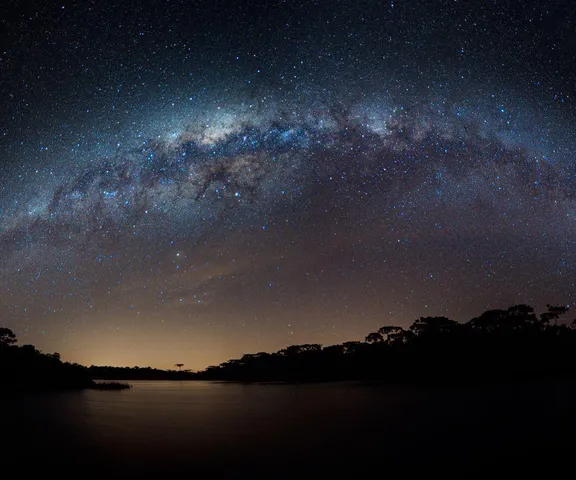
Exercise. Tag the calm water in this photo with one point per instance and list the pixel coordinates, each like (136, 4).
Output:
(234, 429)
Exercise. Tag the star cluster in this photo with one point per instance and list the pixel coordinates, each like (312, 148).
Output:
(189, 182)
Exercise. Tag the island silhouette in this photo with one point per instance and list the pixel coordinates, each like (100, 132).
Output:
(508, 344)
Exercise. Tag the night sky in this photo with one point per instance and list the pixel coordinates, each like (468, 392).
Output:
(188, 181)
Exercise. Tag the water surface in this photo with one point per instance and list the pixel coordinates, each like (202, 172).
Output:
(238, 429)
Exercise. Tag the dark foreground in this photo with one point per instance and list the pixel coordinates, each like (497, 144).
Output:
(279, 431)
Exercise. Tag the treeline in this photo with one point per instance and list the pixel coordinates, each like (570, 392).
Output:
(26, 368)
(136, 373)
(499, 344)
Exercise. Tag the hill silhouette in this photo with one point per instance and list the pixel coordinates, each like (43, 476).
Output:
(499, 344)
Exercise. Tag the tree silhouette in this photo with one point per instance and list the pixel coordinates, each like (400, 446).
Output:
(553, 313)
(351, 347)
(501, 343)
(392, 334)
(521, 316)
(54, 356)
(7, 337)
(433, 326)
(489, 322)
(374, 337)
(25, 368)
(298, 349)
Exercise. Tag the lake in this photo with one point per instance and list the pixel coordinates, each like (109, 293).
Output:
(237, 429)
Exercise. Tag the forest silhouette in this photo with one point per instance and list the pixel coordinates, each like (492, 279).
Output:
(510, 344)
(499, 344)
(26, 368)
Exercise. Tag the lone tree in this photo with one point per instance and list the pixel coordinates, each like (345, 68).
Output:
(179, 365)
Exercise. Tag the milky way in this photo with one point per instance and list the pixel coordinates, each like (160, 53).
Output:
(205, 193)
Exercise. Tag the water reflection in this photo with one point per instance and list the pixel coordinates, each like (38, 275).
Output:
(233, 428)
